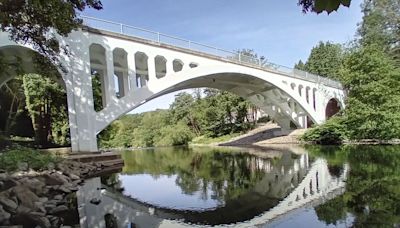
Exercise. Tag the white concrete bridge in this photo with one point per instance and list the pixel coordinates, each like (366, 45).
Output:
(136, 65)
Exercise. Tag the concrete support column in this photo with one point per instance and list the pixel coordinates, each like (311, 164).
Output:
(152, 69)
(132, 70)
(109, 76)
(120, 79)
(170, 67)
(125, 83)
(80, 106)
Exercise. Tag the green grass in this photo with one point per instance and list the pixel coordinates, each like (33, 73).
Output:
(208, 140)
(36, 160)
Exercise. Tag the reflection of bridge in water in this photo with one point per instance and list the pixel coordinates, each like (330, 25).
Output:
(280, 191)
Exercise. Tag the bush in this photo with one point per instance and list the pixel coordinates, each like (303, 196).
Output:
(36, 160)
(331, 132)
(264, 119)
(179, 134)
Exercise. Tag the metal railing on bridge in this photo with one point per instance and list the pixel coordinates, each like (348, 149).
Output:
(207, 49)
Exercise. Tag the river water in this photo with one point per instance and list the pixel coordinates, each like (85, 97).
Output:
(285, 186)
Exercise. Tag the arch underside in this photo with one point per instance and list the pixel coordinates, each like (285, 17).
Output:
(282, 108)
(18, 60)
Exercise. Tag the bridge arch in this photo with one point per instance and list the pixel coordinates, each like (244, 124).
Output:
(20, 60)
(266, 92)
(332, 108)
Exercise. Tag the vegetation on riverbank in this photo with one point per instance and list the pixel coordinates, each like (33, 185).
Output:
(370, 72)
(207, 116)
(22, 158)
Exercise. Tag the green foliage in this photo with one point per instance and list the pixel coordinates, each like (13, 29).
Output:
(373, 105)
(380, 26)
(36, 160)
(179, 134)
(264, 119)
(30, 21)
(215, 115)
(325, 60)
(370, 72)
(332, 132)
(97, 94)
(300, 66)
(46, 103)
(320, 6)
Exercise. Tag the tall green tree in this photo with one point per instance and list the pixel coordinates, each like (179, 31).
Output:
(324, 60)
(373, 83)
(380, 25)
(46, 103)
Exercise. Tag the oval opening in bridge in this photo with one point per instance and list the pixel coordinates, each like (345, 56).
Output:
(193, 65)
(177, 65)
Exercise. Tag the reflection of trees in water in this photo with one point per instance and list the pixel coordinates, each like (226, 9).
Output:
(227, 174)
(112, 180)
(373, 187)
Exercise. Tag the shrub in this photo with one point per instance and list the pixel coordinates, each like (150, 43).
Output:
(264, 119)
(331, 132)
(35, 159)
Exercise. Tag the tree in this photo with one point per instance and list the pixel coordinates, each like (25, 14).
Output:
(30, 21)
(300, 66)
(46, 104)
(250, 56)
(373, 84)
(325, 60)
(380, 25)
(320, 6)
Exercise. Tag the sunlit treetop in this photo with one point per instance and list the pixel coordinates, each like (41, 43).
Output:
(320, 6)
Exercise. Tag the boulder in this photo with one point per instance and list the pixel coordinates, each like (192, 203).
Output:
(4, 216)
(35, 185)
(3, 176)
(39, 219)
(59, 209)
(55, 179)
(23, 166)
(6, 203)
(25, 196)
(73, 176)
(58, 197)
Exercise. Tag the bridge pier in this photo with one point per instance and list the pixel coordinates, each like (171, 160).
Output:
(81, 113)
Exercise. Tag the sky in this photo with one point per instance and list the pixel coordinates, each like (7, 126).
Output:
(278, 30)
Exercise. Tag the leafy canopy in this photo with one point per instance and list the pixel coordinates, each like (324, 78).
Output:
(30, 21)
(320, 6)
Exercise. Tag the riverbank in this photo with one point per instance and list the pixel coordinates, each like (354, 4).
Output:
(34, 193)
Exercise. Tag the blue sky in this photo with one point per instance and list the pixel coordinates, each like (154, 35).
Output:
(276, 29)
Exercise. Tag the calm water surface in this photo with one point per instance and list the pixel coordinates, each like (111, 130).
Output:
(310, 186)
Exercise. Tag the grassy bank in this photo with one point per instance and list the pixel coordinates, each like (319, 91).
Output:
(22, 158)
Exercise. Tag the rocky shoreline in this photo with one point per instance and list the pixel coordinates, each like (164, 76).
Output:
(43, 199)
